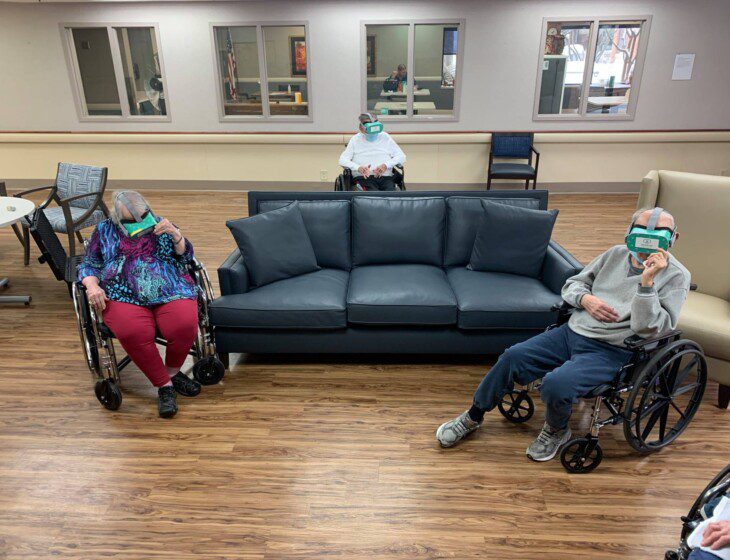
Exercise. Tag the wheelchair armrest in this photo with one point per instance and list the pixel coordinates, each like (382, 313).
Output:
(565, 310)
(692, 287)
(635, 342)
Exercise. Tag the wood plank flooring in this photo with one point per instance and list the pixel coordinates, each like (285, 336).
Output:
(311, 457)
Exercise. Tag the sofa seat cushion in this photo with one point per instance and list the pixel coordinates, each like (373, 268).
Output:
(400, 294)
(311, 301)
(495, 300)
(706, 320)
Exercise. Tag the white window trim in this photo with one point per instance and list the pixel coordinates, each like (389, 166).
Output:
(77, 84)
(409, 116)
(590, 56)
(263, 74)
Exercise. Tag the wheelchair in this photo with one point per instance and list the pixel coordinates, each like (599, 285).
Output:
(654, 397)
(346, 182)
(718, 486)
(97, 341)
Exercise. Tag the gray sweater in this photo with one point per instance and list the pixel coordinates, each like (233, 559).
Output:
(644, 311)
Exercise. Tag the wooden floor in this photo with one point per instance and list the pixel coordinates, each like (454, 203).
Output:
(310, 457)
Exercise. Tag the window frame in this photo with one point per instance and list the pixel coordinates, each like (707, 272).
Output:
(594, 22)
(265, 115)
(77, 85)
(460, 23)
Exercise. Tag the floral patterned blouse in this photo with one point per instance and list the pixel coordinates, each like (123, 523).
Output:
(145, 271)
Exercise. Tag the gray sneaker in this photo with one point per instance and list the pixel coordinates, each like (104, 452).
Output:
(455, 430)
(548, 443)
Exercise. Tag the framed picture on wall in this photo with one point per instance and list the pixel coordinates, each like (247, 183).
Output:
(370, 47)
(298, 54)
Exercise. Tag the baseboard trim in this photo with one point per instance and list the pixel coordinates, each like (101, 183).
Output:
(192, 185)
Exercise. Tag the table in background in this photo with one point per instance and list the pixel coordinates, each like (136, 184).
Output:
(401, 106)
(12, 209)
(417, 93)
(605, 103)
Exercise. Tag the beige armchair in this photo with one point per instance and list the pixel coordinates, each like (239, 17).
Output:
(701, 206)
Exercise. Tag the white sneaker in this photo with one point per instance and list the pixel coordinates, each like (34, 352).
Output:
(453, 431)
(548, 443)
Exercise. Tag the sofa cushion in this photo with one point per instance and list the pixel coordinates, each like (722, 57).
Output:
(402, 294)
(494, 300)
(398, 230)
(706, 320)
(328, 225)
(311, 301)
(464, 214)
(512, 240)
(274, 245)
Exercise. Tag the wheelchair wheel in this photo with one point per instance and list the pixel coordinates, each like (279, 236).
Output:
(581, 455)
(517, 406)
(86, 332)
(665, 396)
(108, 394)
(209, 370)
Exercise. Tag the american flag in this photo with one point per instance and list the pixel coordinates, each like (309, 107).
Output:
(232, 76)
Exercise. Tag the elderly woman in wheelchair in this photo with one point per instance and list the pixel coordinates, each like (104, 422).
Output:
(138, 274)
(619, 340)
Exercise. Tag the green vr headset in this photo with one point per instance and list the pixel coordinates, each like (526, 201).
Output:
(373, 127)
(650, 239)
(135, 229)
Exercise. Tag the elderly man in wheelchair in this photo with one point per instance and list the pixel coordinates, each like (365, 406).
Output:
(372, 160)
(619, 339)
(140, 275)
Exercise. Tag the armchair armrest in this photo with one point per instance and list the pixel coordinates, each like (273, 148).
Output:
(233, 275)
(558, 266)
(47, 201)
(635, 342)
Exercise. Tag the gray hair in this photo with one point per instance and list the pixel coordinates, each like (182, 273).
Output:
(114, 213)
(639, 212)
(367, 118)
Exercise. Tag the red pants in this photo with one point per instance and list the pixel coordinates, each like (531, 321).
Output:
(135, 328)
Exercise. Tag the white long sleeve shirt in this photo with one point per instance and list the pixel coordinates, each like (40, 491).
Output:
(383, 149)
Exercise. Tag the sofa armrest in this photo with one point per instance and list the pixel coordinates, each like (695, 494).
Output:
(233, 275)
(559, 265)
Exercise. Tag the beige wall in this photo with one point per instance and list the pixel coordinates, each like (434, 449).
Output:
(581, 159)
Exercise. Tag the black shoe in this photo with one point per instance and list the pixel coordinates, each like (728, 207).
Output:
(184, 385)
(166, 404)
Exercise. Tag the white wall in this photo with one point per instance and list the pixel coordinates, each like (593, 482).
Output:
(500, 62)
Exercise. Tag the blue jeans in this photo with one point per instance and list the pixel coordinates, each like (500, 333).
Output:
(699, 554)
(570, 365)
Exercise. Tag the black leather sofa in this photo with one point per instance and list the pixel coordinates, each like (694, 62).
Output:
(391, 281)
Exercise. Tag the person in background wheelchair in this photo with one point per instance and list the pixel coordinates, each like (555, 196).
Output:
(631, 289)
(134, 272)
(371, 155)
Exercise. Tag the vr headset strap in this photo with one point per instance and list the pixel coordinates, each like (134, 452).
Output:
(136, 215)
(654, 218)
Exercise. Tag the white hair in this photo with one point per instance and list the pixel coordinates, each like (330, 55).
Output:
(642, 210)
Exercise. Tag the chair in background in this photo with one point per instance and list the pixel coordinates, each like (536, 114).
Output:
(79, 196)
(701, 206)
(512, 145)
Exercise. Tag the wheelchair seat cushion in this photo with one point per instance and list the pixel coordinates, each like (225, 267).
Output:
(512, 240)
(401, 294)
(275, 245)
(511, 170)
(310, 301)
(55, 216)
(494, 300)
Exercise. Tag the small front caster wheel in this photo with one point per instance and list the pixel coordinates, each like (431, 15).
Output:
(581, 455)
(108, 394)
(517, 406)
(209, 371)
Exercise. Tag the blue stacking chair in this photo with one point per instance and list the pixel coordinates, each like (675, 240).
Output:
(513, 145)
